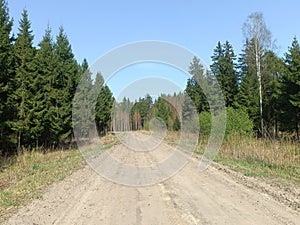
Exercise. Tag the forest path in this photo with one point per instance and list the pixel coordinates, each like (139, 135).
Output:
(189, 197)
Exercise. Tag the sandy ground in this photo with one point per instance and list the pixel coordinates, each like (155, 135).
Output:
(216, 196)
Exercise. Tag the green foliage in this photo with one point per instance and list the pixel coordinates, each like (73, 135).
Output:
(193, 88)
(38, 86)
(103, 109)
(24, 74)
(83, 104)
(6, 77)
(291, 88)
(162, 110)
(205, 123)
(248, 96)
(238, 121)
(63, 85)
(223, 68)
(176, 124)
(273, 71)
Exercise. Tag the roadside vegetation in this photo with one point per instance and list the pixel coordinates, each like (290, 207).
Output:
(25, 177)
(278, 160)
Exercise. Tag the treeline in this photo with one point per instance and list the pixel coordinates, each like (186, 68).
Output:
(128, 115)
(256, 81)
(257, 84)
(37, 87)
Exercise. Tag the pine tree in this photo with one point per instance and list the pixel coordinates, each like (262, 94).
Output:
(23, 95)
(6, 76)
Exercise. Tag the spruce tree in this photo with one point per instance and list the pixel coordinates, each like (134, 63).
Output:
(42, 86)
(223, 68)
(248, 96)
(193, 88)
(273, 70)
(23, 95)
(83, 105)
(64, 84)
(104, 104)
(6, 76)
(291, 88)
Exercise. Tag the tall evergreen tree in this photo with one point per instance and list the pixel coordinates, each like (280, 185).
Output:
(104, 104)
(6, 75)
(193, 88)
(163, 111)
(223, 68)
(291, 87)
(248, 97)
(22, 96)
(42, 87)
(83, 106)
(273, 70)
(64, 84)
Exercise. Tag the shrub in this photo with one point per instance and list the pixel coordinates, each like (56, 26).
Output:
(237, 121)
(205, 123)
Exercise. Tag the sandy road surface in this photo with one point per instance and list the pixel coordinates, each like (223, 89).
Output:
(190, 197)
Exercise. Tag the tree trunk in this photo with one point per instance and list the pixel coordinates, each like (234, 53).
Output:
(19, 143)
(258, 73)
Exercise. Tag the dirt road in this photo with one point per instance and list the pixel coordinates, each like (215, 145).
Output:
(189, 197)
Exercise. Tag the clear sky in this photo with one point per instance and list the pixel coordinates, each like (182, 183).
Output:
(95, 27)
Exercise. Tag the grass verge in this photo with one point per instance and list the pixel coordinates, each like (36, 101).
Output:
(25, 177)
(278, 161)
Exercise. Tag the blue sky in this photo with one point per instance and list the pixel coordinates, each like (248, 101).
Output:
(95, 27)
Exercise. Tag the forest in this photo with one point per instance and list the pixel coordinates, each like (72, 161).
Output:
(38, 84)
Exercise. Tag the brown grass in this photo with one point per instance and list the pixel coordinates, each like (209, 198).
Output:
(25, 177)
(262, 157)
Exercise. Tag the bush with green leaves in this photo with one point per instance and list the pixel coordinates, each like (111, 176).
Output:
(205, 123)
(238, 121)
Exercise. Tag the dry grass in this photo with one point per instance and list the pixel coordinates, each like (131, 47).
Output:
(278, 160)
(262, 157)
(25, 177)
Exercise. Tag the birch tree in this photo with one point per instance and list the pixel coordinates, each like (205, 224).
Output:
(256, 31)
